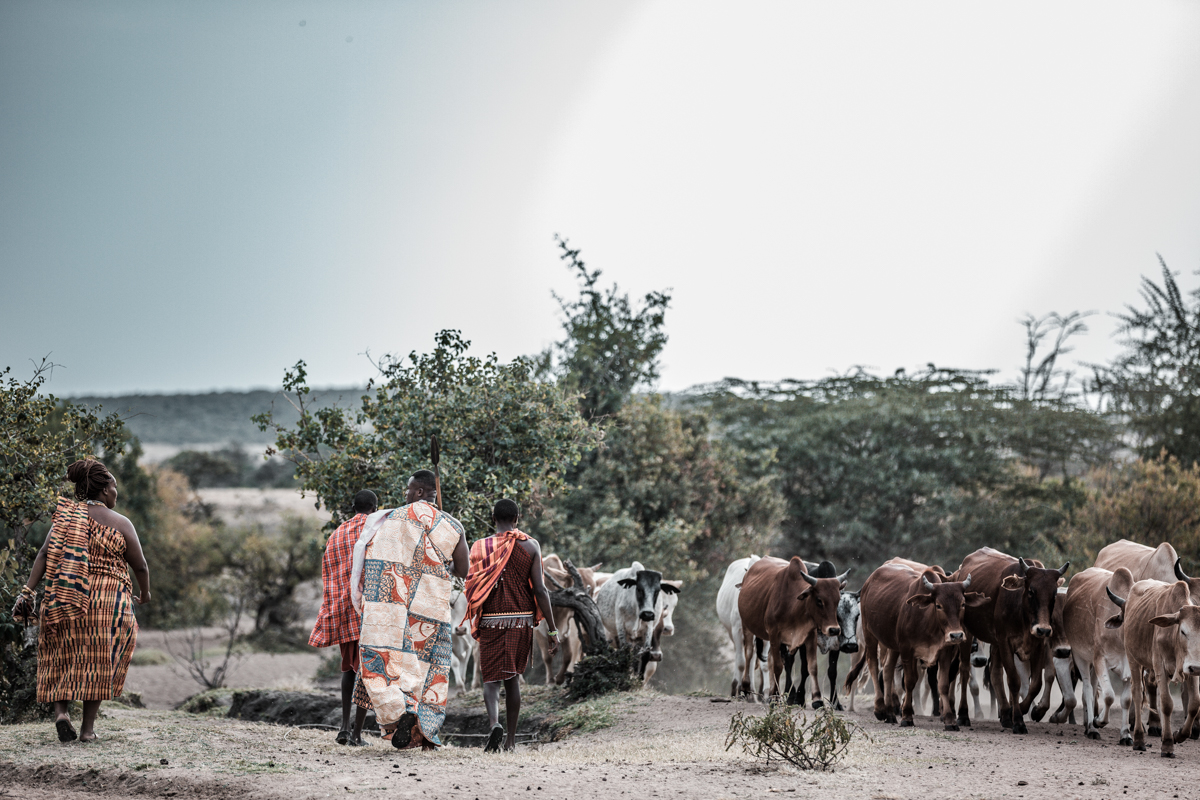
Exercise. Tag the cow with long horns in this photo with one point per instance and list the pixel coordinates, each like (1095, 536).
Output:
(1016, 622)
(912, 615)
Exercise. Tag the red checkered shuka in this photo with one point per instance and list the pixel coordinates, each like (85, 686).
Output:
(337, 621)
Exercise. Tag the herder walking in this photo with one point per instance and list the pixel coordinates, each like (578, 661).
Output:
(504, 583)
(338, 623)
(401, 583)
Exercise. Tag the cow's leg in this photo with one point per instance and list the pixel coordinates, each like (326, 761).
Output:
(996, 674)
(945, 658)
(930, 676)
(739, 657)
(1088, 681)
(1150, 681)
(1186, 699)
(1046, 676)
(1191, 700)
(789, 663)
(1034, 670)
(1066, 685)
(1008, 663)
(967, 681)
(619, 619)
(1167, 748)
(831, 672)
(891, 666)
(810, 651)
(912, 675)
(775, 664)
(1135, 707)
(871, 653)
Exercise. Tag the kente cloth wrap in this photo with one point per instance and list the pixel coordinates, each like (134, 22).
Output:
(338, 621)
(68, 577)
(506, 625)
(489, 557)
(86, 657)
(404, 646)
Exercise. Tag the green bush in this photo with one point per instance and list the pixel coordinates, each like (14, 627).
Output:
(610, 671)
(786, 733)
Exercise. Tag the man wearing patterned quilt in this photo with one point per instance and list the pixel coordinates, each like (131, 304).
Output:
(400, 583)
(337, 622)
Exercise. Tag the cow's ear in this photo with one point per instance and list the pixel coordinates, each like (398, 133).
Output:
(737, 586)
(975, 599)
(919, 600)
(1114, 622)
(1061, 581)
(671, 587)
(1013, 583)
(628, 583)
(856, 595)
(1166, 620)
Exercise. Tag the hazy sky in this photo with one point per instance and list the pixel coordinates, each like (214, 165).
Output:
(196, 195)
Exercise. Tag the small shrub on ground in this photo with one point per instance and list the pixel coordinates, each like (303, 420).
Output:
(149, 657)
(788, 734)
(611, 671)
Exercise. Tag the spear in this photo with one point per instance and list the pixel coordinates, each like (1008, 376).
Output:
(435, 455)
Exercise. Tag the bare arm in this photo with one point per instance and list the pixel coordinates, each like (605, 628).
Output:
(539, 590)
(137, 562)
(39, 564)
(462, 557)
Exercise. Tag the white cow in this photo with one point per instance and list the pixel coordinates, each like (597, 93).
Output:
(462, 644)
(632, 604)
(746, 678)
(665, 627)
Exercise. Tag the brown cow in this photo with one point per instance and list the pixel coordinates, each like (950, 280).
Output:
(917, 619)
(1161, 629)
(783, 605)
(1016, 622)
(1147, 563)
(1095, 648)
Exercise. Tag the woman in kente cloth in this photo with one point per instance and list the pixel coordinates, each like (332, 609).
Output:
(87, 628)
(506, 598)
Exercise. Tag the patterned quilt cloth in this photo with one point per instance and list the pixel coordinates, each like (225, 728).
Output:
(405, 597)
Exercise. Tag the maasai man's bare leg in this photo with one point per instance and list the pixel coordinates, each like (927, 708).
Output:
(512, 709)
(347, 696)
(360, 716)
(491, 701)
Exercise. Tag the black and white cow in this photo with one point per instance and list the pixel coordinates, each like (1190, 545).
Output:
(631, 605)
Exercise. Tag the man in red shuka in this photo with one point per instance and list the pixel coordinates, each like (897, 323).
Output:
(504, 582)
(337, 622)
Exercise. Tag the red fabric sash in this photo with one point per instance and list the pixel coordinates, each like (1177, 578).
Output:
(489, 557)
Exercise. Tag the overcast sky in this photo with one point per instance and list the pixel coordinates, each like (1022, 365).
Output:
(195, 195)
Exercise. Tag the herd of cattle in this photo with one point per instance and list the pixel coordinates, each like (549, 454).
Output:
(1131, 614)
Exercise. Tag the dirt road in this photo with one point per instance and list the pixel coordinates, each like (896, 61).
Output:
(657, 747)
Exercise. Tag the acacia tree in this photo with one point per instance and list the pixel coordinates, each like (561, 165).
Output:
(1155, 383)
(503, 433)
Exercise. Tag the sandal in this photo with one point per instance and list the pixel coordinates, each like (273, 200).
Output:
(403, 734)
(66, 731)
(494, 739)
(343, 737)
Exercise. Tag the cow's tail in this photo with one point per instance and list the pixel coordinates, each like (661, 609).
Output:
(758, 649)
(855, 671)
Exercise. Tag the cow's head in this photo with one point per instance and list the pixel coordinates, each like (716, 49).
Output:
(1193, 583)
(1039, 589)
(1118, 591)
(670, 599)
(819, 601)
(1186, 622)
(1060, 645)
(847, 615)
(978, 659)
(948, 601)
(646, 585)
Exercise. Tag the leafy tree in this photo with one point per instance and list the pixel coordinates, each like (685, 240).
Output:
(925, 465)
(503, 433)
(269, 568)
(1148, 501)
(39, 437)
(661, 490)
(611, 345)
(1155, 383)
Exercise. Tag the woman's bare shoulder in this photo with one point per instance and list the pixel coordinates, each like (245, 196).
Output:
(106, 516)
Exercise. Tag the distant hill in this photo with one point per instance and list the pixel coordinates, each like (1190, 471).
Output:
(194, 419)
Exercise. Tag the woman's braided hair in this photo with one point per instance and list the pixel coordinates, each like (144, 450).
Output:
(90, 477)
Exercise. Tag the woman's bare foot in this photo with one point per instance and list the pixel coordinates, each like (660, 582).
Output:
(84, 738)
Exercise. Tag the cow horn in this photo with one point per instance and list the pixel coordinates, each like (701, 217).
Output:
(811, 580)
(1063, 569)
(1023, 567)
(967, 582)
(925, 582)
(1179, 573)
(842, 577)
(1120, 602)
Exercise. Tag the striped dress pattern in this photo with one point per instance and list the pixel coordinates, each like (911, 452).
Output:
(85, 655)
